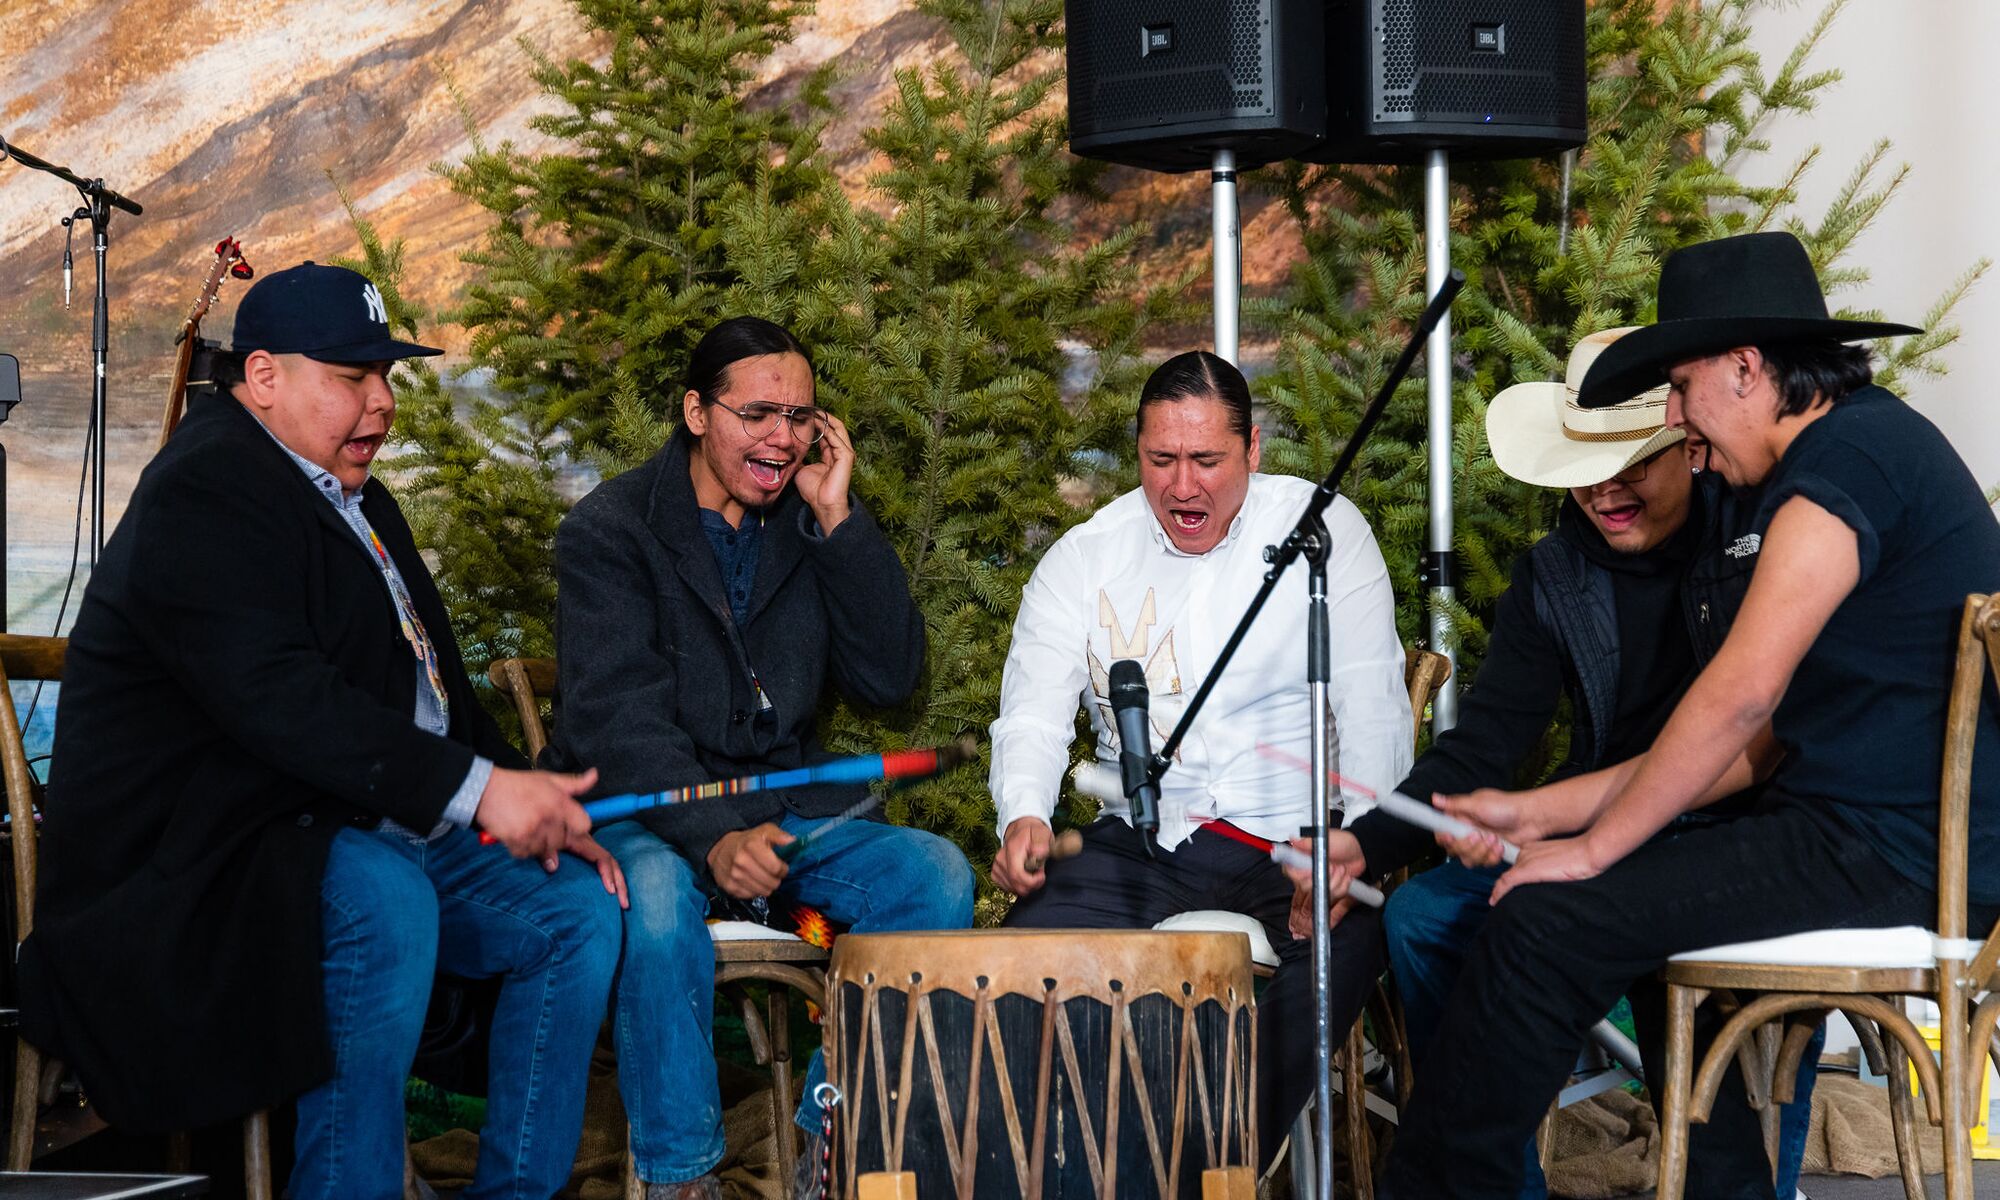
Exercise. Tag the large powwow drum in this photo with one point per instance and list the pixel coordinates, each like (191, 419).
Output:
(1042, 1064)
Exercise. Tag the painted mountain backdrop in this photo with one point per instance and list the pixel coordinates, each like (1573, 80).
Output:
(238, 117)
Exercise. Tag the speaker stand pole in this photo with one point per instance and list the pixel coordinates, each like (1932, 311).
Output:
(1228, 252)
(1440, 564)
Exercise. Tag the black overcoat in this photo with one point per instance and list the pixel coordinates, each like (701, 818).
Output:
(237, 690)
(655, 678)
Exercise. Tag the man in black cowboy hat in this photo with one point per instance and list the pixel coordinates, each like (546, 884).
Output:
(1832, 685)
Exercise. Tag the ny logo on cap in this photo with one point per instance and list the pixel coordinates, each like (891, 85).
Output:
(377, 311)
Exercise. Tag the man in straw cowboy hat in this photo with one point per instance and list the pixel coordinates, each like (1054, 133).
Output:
(1831, 686)
(1615, 610)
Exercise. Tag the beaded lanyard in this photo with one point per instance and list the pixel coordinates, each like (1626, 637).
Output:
(413, 626)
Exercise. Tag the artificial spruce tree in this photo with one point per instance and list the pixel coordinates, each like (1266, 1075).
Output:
(603, 265)
(1677, 97)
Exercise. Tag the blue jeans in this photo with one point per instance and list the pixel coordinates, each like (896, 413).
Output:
(877, 878)
(1430, 923)
(393, 911)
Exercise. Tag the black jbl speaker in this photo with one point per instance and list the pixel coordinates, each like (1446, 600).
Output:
(1481, 78)
(1163, 84)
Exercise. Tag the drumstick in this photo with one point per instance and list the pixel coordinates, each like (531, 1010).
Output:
(1068, 844)
(861, 768)
(797, 846)
(1396, 804)
(1291, 856)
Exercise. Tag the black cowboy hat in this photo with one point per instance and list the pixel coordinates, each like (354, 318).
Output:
(1734, 291)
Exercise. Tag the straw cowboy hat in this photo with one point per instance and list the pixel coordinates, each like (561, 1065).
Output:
(1733, 291)
(1540, 435)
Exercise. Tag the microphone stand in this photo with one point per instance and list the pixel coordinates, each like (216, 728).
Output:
(98, 201)
(1309, 538)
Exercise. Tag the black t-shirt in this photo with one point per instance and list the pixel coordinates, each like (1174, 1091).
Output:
(1862, 722)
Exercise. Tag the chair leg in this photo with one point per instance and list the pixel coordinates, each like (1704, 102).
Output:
(1767, 1063)
(27, 1105)
(1354, 1094)
(257, 1155)
(782, 1125)
(1680, 1082)
(1903, 1117)
(1953, 1076)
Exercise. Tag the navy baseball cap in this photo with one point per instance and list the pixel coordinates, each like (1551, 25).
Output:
(329, 313)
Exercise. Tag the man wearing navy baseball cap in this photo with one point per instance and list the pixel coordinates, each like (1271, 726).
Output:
(1832, 685)
(268, 760)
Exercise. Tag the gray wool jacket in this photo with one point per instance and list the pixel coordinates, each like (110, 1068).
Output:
(657, 687)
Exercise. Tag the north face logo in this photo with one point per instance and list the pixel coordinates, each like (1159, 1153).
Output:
(377, 311)
(1744, 546)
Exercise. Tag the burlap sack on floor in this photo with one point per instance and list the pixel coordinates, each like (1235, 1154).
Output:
(1609, 1145)
(1851, 1134)
(749, 1168)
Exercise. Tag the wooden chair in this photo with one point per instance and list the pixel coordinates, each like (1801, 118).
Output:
(1864, 973)
(41, 658)
(783, 963)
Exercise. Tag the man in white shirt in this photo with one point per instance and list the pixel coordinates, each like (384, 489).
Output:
(1161, 575)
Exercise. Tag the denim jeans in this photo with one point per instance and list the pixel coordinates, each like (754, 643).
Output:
(393, 911)
(1430, 923)
(876, 878)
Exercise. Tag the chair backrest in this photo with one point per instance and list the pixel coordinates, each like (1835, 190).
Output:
(1424, 673)
(1978, 649)
(23, 659)
(527, 682)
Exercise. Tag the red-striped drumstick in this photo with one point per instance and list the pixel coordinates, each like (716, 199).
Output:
(861, 768)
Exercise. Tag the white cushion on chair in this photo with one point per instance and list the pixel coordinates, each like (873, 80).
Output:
(1901, 947)
(1216, 920)
(748, 931)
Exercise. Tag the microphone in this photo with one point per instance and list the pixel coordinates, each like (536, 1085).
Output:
(1129, 700)
(68, 265)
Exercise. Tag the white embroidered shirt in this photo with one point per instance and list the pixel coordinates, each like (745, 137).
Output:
(1117, 587)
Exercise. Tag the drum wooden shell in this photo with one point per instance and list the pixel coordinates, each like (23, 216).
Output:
(1052, 1064)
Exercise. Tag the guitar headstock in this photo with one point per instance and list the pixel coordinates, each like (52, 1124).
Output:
(228, 261)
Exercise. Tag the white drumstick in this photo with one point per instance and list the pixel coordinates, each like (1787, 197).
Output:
(1424, 816)
(1396, 804)
(1286, 855)
(1099, 781)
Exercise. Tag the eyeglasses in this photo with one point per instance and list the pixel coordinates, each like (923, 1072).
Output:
(760, 419)
(1637, 471)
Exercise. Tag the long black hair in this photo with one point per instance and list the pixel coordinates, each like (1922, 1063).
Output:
(731, 342)
(1199, 375)
(1809, 367)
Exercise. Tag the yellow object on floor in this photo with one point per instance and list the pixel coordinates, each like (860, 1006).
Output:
(1980, 1146)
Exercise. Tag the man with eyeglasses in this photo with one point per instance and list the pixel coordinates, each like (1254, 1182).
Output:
(707, 600)
(1615, 610)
